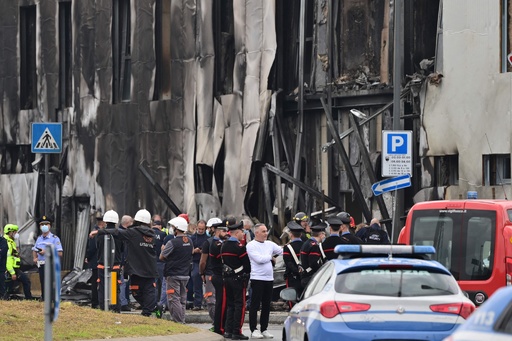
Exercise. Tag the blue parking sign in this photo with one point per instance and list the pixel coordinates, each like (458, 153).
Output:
(397, 143)
(46, 138)
(396, 153)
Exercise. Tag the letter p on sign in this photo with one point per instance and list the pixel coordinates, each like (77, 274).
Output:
(397, 143)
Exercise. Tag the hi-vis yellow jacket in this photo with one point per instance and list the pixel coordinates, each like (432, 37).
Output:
(13, 257)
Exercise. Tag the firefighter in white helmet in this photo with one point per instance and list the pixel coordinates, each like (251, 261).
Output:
(140, 261)
(177, 254)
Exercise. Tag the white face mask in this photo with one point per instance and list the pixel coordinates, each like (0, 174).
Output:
(17, 235)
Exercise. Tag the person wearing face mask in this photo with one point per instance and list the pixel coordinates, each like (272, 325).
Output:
(46, 238)
(13, 263)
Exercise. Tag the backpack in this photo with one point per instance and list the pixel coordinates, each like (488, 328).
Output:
(373, 236)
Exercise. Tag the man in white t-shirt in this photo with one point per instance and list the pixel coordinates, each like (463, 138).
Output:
(261, 253)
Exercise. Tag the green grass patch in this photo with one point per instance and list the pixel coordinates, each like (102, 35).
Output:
(24, 320)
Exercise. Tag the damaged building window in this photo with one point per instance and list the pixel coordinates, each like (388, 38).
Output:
(28, 77)
(65, 49)
(121, 51)
(506, 35)
(162, 50)
(446, 170)
(496, 169)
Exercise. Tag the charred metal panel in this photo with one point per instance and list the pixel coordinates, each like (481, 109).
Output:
(360, 34)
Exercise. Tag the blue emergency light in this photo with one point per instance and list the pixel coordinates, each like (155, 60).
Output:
(386, 249)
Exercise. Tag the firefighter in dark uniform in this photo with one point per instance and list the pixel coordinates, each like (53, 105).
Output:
(291, 258)
(317, 235)
(236, 271)
(140, 260)
(111, 218)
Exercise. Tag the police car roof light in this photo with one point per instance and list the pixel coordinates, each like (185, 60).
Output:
(386, 249)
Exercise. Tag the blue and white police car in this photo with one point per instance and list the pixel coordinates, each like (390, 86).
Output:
(492, 321)
(378, 292)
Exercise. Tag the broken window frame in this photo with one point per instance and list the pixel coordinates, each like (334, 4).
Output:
(65, 50)
(506, 35)
(121, 51)
(28, 75)
(446, 170)
(496, 169)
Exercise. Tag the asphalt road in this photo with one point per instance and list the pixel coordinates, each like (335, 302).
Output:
(274, 329)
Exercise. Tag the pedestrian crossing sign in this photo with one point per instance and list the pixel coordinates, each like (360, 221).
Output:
(47, 138)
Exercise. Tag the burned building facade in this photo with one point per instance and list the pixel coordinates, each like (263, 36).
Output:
(205, 107)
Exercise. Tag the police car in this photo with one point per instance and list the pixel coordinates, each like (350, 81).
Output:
(378, 292)
(491, 321)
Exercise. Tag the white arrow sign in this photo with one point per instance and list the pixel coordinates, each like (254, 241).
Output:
(392, 184)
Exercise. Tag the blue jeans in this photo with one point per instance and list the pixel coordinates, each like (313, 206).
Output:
(195, 286)
(122, 290)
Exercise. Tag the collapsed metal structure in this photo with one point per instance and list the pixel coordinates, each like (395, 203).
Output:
(225, 107)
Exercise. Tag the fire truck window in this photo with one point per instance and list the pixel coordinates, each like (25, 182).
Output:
(478, 248)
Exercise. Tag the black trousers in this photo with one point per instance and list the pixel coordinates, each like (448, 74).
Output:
(261, 295)
(41, 279)
(234, 303)
(219, 319)
(144, 291)
(294, 282)
(24, 280)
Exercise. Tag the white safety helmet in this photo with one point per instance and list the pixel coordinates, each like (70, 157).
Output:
(213, 221)
(143, 216)
(179, 223)
(111, 216)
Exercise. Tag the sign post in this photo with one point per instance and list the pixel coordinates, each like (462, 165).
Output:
(388, 185)
(51, 289)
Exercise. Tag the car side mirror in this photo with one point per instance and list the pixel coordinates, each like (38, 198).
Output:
(288, 294)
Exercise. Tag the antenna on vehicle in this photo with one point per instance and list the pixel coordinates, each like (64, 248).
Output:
(497, 170)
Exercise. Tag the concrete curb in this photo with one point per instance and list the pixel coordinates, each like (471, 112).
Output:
(276, 317)
(199, 336)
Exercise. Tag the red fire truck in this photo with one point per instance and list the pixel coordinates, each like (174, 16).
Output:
(472, 238)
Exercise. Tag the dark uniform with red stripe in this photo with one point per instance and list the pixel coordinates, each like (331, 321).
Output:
(310, 256)
(293, 270)
(234, 255)
(214, 264)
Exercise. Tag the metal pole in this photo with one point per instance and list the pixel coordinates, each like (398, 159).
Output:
(48, 328)
(397, 89)
(106, 275)
(300, 122)
(46, 186)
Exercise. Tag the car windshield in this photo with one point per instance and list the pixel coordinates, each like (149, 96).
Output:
(395, 282)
